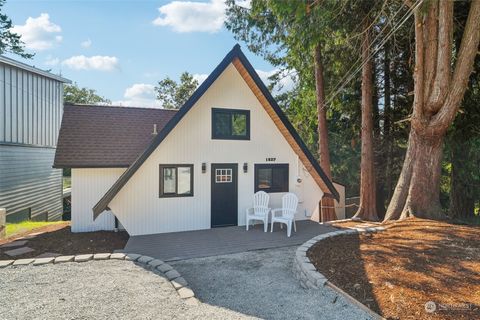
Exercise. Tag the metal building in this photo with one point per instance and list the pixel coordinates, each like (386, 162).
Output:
(31, 107)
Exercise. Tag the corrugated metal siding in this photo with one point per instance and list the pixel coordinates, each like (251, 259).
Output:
(88, 186)
(30, 107)
(138, 206)
(27, 180)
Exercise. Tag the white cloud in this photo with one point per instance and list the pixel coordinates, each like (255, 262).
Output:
(100, 63)
(39, 33)
(140, 90)
(51, 61)
(189, 16)
(200, 77)
(286, 82)
(86, 44)
(139, 95)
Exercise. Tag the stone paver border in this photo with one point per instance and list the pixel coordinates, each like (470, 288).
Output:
(308, 276)
(156, 266)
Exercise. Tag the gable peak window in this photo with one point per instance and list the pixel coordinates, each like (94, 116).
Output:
(230, 124)
(176, 180)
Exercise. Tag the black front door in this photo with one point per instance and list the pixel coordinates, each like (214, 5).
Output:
(224, 195)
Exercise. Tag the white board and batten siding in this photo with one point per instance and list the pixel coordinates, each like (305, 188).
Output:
(88, 186)
(340, 206)
(31, 107)
(138, 206)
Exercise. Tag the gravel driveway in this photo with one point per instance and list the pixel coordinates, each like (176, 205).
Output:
(95, 290)
(261, 283)
(256, 284)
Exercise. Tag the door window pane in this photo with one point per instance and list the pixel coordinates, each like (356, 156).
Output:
(223, 175)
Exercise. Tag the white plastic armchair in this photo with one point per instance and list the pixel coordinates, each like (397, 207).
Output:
(260, 209)
(286, 214)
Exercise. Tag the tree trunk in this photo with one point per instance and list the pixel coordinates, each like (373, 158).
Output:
(378, 152)
(368, 206)
(387, 121)
(418, 188)
(328, 213)
(438, 93)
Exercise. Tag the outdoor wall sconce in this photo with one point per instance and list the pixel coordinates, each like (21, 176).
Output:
(245, 167)
(204, 167)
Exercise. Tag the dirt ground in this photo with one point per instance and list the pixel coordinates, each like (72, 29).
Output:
(414, 262)
(351, 224)
(59, 239)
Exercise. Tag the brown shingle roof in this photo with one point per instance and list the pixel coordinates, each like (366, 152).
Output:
(105, 136)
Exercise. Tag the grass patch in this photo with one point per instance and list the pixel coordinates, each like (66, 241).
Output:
(67, 182)
(25, 226)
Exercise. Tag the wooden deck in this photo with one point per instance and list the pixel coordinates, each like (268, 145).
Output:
(218, 241)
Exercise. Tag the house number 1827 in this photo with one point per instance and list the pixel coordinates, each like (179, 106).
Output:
(270, 159)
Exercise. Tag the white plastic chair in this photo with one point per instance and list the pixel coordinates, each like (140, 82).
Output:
(286, 214)
(260, 209)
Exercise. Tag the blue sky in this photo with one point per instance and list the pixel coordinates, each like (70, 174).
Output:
(122, 48)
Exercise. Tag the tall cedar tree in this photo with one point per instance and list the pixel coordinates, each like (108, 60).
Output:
(438, 93)
(368, 205)
(328, 211)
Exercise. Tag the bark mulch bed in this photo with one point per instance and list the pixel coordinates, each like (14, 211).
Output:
(59, 239)
(396, 272)
(352, 224)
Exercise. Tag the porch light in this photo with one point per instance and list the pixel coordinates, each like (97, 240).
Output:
(245, 167)
(204, 167)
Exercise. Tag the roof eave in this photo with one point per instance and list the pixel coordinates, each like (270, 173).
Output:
(88, 166)
(32, 69)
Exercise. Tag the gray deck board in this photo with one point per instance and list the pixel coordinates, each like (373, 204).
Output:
(218, 241)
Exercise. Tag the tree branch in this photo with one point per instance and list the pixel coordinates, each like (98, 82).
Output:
(463, 68)
(417, 115)
(443, 69)
(431, 48)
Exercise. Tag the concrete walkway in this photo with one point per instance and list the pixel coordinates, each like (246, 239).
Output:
(218, 241)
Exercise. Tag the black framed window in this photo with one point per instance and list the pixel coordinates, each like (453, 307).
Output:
(176, 180)
(230, 124)
(271, 177)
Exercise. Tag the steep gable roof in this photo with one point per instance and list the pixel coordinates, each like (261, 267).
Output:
(239, 60)
(93, 136)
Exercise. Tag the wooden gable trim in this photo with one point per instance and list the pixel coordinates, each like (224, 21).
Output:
(279, 124)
